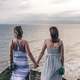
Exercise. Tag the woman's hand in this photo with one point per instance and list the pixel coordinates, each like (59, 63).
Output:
(36, 65)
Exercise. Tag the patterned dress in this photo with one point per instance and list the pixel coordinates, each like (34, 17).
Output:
(51, 65)
(21, 61)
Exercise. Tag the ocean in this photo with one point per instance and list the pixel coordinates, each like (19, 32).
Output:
(35, 34)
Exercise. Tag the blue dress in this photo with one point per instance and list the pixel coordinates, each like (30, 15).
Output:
(21, 61)
(51, 65)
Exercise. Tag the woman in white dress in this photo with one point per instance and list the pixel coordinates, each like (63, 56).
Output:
(55, 56)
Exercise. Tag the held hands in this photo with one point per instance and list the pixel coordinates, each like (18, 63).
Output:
(36, 65)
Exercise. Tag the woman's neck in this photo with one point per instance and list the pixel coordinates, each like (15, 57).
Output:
(18, 39)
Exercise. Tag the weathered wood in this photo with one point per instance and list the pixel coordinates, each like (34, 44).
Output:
(5, 75)
(33, 75)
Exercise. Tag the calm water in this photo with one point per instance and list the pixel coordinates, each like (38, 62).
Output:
(36, 34)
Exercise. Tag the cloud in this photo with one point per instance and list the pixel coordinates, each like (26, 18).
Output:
(59, 1)
(21, 10)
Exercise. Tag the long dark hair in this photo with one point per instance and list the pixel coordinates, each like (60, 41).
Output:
(19, 32)
(54, 34)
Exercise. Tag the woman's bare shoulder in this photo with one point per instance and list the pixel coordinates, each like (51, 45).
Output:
(13, 41)
(25, 41)
(47, 41)
(61, 42)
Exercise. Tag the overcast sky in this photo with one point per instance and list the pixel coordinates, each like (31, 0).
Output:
(17, 10)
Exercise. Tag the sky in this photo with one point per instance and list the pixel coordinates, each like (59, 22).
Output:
(15, 11)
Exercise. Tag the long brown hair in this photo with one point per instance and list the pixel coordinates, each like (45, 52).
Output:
(54, 34)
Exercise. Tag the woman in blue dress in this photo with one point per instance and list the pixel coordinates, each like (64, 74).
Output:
(19, 49)
(54, 61)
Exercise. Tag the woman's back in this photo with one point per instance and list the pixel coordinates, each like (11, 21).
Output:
(52, 47)
(51, 44)
(18, 45)
(19, 52)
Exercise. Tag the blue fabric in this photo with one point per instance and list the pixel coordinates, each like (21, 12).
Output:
(21, 61)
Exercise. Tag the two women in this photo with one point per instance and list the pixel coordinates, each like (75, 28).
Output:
(54, 60)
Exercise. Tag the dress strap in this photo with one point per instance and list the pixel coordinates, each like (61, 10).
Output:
(18, 46)
(12, 44)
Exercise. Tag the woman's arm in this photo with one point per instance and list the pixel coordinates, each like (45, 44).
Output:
(42, 52)
(29, 53)
(62, 53)
(11, 54)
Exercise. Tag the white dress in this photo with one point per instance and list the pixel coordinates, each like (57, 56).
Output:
(51, 65)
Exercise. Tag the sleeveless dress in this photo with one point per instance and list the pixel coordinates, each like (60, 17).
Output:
(51, 65)
(21, 62)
